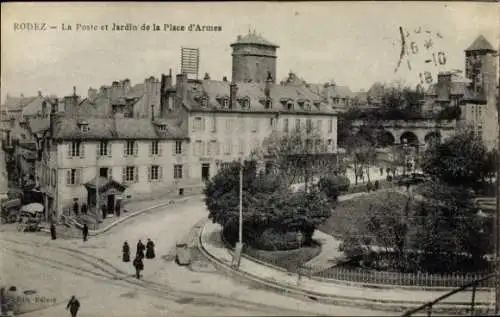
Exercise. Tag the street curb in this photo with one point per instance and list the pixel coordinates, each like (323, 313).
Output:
(134, 214)
(376, 304)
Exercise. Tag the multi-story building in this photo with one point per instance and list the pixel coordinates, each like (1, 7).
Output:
(121, 156)
(475, 93)
(228, 120)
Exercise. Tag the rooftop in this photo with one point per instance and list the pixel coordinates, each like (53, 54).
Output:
(253, 39)
(480, 44)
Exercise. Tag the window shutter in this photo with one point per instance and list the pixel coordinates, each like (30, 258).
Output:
(149, 173)
(136, 149)
(160, 148)
(136, 174)
(160, 172)
(109, 149)
(124, 174)
(183, 148)
(70, 145)
(78, 177)
(125, 148)
(68, 177)
(82, 149)
(150, 148)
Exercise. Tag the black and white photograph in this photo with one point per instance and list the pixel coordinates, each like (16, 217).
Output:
(267, 158)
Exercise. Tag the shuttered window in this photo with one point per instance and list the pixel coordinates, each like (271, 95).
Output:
(155, 173)
(130, 174)
(73, 177)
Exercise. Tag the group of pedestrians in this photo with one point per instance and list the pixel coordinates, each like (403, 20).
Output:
(138, 261)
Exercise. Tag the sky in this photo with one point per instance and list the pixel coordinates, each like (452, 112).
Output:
(353, 44)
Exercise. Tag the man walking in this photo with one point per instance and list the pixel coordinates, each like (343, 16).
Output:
(85, 231)
(53, 231)
(73, 306)
(139, 266)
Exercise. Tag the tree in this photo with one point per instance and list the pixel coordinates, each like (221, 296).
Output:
(362, 153)
(333, 186)
(291, 154)
(447, 229)
(461, 159)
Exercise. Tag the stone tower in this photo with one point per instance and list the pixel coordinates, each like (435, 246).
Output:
(481, 67)
(253, 59)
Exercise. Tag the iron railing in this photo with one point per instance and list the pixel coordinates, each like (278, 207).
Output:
(429, 306)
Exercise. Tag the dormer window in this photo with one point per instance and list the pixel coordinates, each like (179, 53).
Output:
(268, 103)
(204, 101)
(317, 104)
(225, 103)
(307, 107)
(245, 103)
(84, 127)
(289, 105)
(163, 127)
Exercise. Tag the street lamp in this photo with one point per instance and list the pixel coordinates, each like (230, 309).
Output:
(300, 239)
(239, 244)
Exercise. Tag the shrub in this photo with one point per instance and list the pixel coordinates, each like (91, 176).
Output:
(334, 186)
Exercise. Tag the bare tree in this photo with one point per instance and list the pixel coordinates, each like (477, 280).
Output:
(296, 156)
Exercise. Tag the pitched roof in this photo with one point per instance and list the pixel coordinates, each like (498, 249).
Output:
(113, 129)
(253, 39)
(17, 103)
(35, 106)
(37, 125)
(255, 92)
(480, 44)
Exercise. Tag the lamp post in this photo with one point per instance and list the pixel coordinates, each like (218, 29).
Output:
(497, 212)
(239, 244)
(300, 239)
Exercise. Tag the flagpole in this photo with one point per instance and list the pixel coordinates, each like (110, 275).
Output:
(240, 231)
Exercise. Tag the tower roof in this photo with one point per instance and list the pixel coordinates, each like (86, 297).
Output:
(253, 38)
(480, 44)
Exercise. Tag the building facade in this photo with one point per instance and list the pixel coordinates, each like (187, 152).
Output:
(123, 157)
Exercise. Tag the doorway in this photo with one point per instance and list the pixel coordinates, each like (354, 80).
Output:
(205, 171)
(111, 204)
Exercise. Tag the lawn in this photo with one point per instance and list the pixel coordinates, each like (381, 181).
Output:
(348, 213)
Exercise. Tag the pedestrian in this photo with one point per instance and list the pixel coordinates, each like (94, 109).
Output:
(140, 249)
(138, 265)
(381, 171)
(73, 306)
(126, 252)
(75, 208)
(84, 209)
(85, 231)
(150, 249)
(117, 208)
(53, 231)
(103, 209)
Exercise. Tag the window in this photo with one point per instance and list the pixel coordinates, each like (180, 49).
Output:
(297, 125)
(285, 125)
(245, 103)
(330, 143)
(76, 149)
(213, 125)
(177, 171)
(130, 174)
(73, 177)
(198, 124)
(271, 122)
(330, 126)
(308, 106)
(227, 147)
(212, 148)
(317, 145)
(155, 148)
(319, 125)
(104, 172)
(241, 146)
(269, 103)
(204, 102)
(228, 125)
(225, 103)
(309, 125)
(104, 148)
(178, 147)
(155, 173)
(256, 124)
(84, 128)
(309, 145)
(131, 148)
(289, 106)
(53, 178)
(163, 127)
(197, 148)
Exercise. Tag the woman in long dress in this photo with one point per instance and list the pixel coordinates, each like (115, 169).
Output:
(126, 252)
(150, 250)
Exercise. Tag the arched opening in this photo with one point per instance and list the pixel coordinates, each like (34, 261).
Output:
(409, 138)
(386, 139)
(432, 138)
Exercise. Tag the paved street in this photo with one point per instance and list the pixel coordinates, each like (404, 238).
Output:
(93, 271)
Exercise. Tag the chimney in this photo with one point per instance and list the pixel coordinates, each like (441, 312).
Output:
(233, 92)
(181, 87)
(92, 93)
(52, 117)
(207, 77)
(224, 78)
(269, 81)
(443, 86)
(74, 91)
(114, 90)
(152, 113)
(8, 137)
